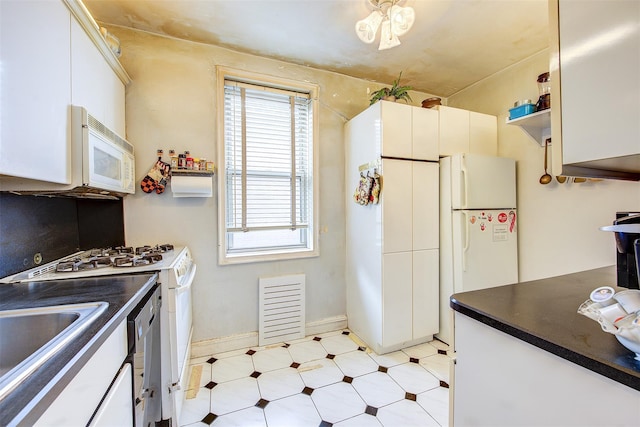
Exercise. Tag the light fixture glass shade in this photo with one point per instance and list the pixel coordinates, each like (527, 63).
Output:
(388, 38)
(402, 19)
(366, 28)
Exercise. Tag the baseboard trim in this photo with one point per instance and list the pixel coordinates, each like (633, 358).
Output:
(329, 324)
(250, 339)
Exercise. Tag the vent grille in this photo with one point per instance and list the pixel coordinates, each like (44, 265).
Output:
(282, 309)
(42, 271)
(97, 127)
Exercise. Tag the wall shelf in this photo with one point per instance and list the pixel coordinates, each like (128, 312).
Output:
(191, 183)
(536, 125)
(190, 172)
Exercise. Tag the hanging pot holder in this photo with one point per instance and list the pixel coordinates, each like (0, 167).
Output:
(150, 182)
(376, 188)
(356, 193)
(362, 192)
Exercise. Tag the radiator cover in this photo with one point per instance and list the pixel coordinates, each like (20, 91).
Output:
(281, 309)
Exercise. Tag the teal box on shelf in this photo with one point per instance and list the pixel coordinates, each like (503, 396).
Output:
(521, 110)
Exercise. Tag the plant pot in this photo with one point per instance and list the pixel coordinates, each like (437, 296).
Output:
(389, 98)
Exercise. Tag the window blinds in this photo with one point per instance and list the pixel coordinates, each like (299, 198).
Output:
(267, 136)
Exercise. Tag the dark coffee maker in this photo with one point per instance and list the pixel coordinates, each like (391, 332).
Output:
(627, 232)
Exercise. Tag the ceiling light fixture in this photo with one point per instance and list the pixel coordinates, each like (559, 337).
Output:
(395, 21)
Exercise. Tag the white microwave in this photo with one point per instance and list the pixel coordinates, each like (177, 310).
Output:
(108, 163)
(101, 164)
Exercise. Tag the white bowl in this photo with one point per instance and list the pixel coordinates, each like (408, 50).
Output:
(629, 300)
(631, 345)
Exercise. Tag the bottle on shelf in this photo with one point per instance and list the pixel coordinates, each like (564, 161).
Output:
(174, 159)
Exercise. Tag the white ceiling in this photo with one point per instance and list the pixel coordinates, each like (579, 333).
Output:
(453, 43)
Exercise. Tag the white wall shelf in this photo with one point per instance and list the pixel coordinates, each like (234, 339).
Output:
(536, 125)
(191, 183)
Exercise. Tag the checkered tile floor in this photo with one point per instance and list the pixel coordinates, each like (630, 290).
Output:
(327, 380)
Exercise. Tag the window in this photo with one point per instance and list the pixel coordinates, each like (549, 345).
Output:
(267, 168)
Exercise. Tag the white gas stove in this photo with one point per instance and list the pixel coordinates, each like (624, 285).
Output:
(102, 262)
(176, 271)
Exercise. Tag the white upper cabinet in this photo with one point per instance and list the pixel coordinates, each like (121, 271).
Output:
(463, 131)
(595, 77)
(53, 56)
(404, 131)
(425, 133)
(36, 90)
(483, 134)
(454, 131)
(94, 85)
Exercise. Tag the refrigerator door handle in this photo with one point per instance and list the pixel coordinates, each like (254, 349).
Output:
(465, 186)
(465, 227)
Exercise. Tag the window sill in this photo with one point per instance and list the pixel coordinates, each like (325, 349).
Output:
(282, 256)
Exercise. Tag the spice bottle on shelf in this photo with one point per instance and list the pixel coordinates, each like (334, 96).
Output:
(174, 159)
(189, 160)
(182, 161)
(196, 163)
(203, 164)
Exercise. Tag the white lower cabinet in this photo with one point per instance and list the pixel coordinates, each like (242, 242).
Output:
(425, 293)
(393, 259)
(117, 407)
(78, 401)
(396, 298)
(409, 296)
(501, 380)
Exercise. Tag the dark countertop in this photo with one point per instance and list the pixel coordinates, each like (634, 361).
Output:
(544, 313)
(26, 403)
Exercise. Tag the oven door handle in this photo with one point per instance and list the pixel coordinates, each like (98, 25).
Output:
(188, 281)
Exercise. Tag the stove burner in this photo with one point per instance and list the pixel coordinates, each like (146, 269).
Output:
(107, 252)
(121, 261)
(143, 250)
(135, 261)
(157, 249)
(78, 264)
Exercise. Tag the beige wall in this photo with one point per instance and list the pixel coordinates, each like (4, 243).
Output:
(171, 104)
(558, 227)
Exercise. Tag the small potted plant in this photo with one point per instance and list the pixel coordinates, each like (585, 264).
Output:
(394, 93)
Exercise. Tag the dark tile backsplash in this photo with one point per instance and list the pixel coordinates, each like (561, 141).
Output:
(54, 227)
(100, 223)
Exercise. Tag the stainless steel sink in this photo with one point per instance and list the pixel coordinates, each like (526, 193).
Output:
(28, 337)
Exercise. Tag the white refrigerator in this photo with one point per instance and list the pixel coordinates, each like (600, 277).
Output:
(478, 228)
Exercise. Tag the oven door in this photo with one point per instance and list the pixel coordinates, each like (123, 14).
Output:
(180, 326)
